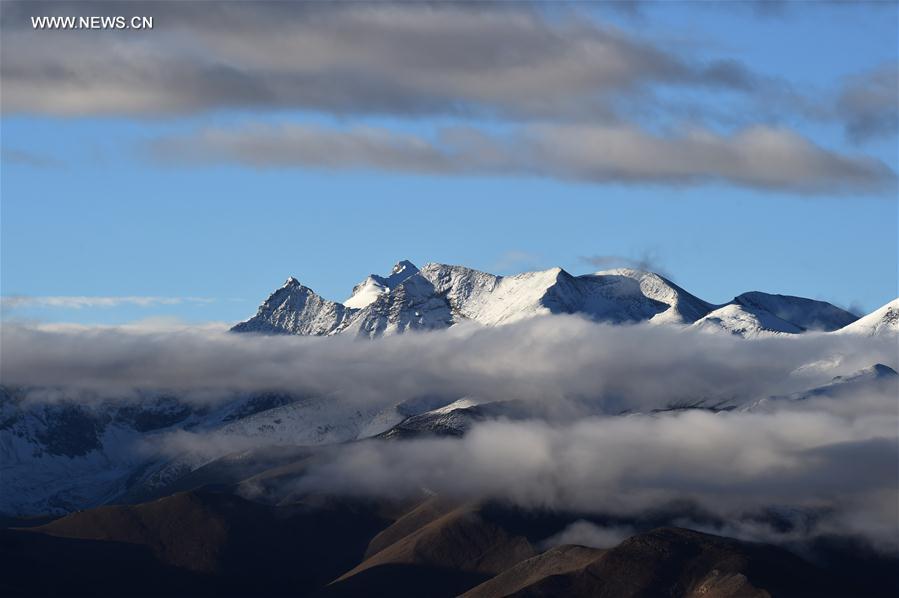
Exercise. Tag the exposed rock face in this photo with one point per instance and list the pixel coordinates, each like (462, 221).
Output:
(296, 309)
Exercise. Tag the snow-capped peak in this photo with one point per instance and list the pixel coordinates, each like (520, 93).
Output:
(403, 268)
(877, 371)
(650, 294)
(296, 309)
(884, 320)
(441, 295)
(372, 287)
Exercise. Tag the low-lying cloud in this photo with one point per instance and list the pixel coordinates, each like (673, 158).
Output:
(844, 468)
(757, 157)
(585, 533)
(553, 359)
(591, 439)
(84, 301)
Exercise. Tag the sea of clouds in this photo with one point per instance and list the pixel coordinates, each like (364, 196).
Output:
(598, 434)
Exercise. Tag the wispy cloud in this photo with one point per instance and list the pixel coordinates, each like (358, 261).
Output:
(154, 324)
(869, 103)
(516, 260)
(584, 533)
(648, 261)
(82, 302)
(757, 157)
(25, 158)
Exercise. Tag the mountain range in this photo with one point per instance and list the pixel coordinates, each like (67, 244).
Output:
(90, 503)
(439, 296)
(64, 455)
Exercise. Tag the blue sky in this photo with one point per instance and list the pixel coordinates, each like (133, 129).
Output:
(88, 208)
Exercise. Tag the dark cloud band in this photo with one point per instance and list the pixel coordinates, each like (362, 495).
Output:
(757, 157)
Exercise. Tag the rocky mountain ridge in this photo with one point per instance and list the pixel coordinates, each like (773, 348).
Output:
(439, 296)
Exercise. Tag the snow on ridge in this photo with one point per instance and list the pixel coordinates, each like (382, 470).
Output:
(367, 291)
(441, 295)
(884, 320)
(296, 309)
(737, 319)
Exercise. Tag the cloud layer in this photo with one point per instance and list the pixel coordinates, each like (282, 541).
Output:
(758, 157)
(79, 302)
(558, 360)
(565, 86)
(869, 103)
(590, 438)
(384, 58)
(518, 61)
(730, 465)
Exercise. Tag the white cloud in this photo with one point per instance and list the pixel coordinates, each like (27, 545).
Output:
(576, 444)
(758, 157)
(371, 58)
(730, 465)
(584, 533)
(155, 324)
(85, 301)
(558, 361)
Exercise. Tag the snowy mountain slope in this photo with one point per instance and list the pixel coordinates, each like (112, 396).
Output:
(61, 456)
(884, 320)
(439, 296)
(458, 417)
(627, 295)
(296, 309)
(807, 314)
(873, 379)
(878, 371)
(413, 305)
(490, 300)
(301, 423)
(746, 322)
(372, 287)
(310, 422)
(757, 314)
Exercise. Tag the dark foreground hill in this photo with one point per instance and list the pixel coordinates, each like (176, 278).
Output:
(215, 543)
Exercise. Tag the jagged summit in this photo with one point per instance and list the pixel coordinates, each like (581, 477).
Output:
(296, 309)
(442, 295)
(402, 269)
(369, 289)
